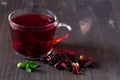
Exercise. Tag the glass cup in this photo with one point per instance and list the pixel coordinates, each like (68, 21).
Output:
(33, 32)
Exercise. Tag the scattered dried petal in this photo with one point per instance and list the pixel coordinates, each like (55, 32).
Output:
(83, 58)
(69, 62)
(90, 63)
(76, 69)
(57, 65)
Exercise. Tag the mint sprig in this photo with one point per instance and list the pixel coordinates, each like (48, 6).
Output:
(29, 66)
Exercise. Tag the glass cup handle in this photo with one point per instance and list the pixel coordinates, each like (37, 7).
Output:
(61, 38)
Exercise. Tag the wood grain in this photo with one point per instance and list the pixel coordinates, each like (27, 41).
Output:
(95, 33)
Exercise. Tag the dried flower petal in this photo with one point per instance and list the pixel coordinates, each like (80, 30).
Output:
(68, 61)
(57, 65)
(83, 58)
(75, 68)
(64, 65)
(90, 63)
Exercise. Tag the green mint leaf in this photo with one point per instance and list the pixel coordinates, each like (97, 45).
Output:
(27, 62)
(33, 64)
(27, 68)
(28, 65)
(21, 65)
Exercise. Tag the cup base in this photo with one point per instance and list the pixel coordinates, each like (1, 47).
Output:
(32, 58)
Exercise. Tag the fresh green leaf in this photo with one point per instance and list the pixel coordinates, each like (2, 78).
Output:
(28, 69)
(33, 64)
(28, 65)
(27, 62)
(21, 65)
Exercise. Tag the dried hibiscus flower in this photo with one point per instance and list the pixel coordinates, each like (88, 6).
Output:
(67, 61)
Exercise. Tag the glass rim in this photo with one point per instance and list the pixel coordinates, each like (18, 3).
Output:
(19, 25)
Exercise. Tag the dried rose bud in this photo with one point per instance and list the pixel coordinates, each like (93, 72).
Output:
(83, 58)
(69, 62)
(81, 63)
(75, 68)
(63, 65)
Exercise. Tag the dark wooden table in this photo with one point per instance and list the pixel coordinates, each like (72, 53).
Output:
(95, 33)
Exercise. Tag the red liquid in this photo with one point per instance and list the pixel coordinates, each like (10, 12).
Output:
(31, 40)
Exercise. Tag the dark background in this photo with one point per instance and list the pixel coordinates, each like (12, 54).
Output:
(95, 33)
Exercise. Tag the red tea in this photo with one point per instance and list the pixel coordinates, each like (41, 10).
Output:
(32, 37)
